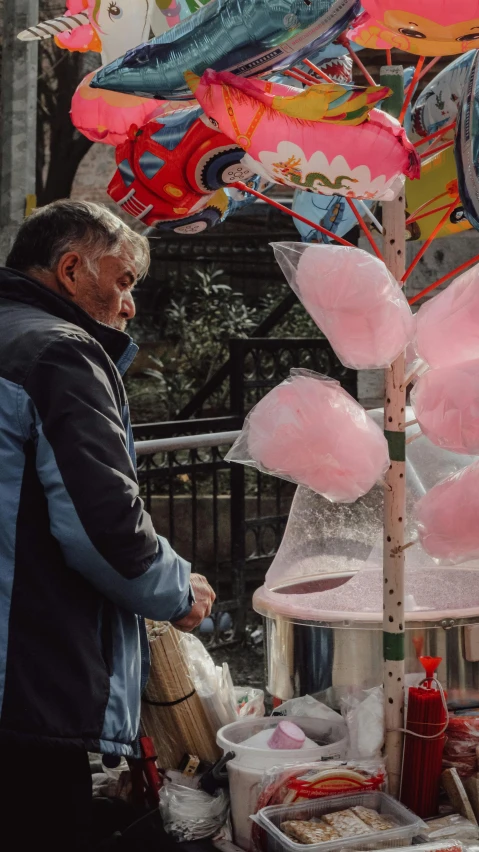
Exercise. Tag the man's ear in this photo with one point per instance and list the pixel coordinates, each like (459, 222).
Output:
(67, 272)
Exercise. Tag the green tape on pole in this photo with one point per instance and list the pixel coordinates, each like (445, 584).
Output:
(393, 646)
(393, 77)
(397, 445)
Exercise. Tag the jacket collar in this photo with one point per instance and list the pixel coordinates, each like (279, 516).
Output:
(21, 288)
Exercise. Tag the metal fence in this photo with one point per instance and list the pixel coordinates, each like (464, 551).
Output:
(227, 519)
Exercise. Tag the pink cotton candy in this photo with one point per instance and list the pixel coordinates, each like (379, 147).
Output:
(446, 405)
(448, 325)
(353, 299)
(310, 431)
(287, 735)
(447, 518)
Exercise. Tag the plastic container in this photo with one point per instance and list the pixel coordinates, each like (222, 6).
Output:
(245, 771)
(408, 825)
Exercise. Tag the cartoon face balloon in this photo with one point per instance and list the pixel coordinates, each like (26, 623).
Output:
(246, 37)
(426, 28)
(319, 151)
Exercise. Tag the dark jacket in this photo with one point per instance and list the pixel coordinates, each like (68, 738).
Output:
(80, 562)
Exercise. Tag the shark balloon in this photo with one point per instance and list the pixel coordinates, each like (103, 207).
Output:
(246, 38)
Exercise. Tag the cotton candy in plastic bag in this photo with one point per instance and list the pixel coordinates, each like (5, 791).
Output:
(308, 430)
(446, 406)
(353, 299)
(448, 325)
(447, 518)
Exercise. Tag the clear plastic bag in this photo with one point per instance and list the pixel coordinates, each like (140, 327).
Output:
(308, 706)
(363, 712)
(308, 430)
(192, 814)
(212, 683)
(454, 826)
(249, 701)
(353, 299)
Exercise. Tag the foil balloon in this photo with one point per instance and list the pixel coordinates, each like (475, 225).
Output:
(447, 518)
(330, 211)
(438, 104)
(466, 147)
(247, 38)
(447, 326)
(107, 116)
(431, 28)
(446, 406)
(436, 187)
(310, 431)
(306, 140)
(109, 27)
(353, 299)
(220, 206)
(172, 165)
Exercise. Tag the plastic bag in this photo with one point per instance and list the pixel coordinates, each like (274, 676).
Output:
(308, 430)
(192, 814)
(353, 299)
(306, 705)
(249, 701)
(454, 825)
(364, 715)
(286, 785)
(462, 740)
(212, 683)
(447, 518)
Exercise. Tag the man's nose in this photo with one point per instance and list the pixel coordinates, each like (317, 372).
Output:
(128, 309)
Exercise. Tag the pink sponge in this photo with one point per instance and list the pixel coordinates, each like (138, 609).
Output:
(287, 735)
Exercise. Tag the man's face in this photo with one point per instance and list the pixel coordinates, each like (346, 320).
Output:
(107, 296)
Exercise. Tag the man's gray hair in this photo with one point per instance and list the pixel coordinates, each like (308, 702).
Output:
(90, 229)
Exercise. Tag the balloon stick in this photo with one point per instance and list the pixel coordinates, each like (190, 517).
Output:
(354, 56)
(431, 136)
(428, 67)
(428, 213)
(318, 70)
(388, 56)
(365, 229)
(444, 278)
(272, 203)
(411, 88)
(429, 240)
(309, 77)
(297, 75)
(436, 150)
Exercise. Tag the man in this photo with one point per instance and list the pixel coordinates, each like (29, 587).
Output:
(80, 562)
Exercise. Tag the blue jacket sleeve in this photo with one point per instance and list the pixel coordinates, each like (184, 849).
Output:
(96, 512)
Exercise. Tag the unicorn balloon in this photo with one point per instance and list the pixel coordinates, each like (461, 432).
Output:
(109, 27)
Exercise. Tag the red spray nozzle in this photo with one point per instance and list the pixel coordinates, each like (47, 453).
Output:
(430, 665)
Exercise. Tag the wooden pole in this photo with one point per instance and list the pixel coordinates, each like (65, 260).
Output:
(394, 223)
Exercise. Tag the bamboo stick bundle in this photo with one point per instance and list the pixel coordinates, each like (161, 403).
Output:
(172, 712)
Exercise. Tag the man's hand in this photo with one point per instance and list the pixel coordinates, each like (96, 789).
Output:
(204, 600)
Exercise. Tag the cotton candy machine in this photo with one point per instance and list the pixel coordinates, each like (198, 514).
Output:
(322, 600)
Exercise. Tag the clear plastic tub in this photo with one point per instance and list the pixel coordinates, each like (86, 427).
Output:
(407, 824)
